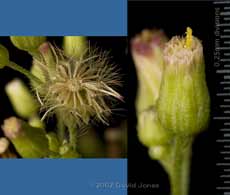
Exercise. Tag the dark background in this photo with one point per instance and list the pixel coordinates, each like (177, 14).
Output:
(116, 46)
(173, 18)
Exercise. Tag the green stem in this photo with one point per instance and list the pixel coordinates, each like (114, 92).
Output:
(186, 171)
(180, 166)
(73, 137)
(61, 128)
(22, 70)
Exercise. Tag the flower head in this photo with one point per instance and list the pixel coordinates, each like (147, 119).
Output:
(77, 87)
(184, 104)
(183, 51)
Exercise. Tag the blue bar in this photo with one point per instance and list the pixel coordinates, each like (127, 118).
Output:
(68, 17)
(63, 176)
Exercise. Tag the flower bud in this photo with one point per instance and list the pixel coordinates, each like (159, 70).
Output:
(27, 43)
(75, 45)
(184, 103)
(48, 58)
(30, 142)
(150, 131)
(147, 55)
(21, 99)
(4, 56)
(4, 144)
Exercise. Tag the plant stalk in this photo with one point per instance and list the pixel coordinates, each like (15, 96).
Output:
(180, 166)
(22, 70)
(73, 137)
(61, 128)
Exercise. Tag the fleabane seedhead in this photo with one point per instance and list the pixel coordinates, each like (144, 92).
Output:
(78, 88)
(184, 104)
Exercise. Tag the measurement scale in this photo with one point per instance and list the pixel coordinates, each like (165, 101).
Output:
(222, 116)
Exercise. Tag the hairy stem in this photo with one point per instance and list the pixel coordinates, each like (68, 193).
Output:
(61, 128)
(180, 166)
(73, 137)
(22, 70)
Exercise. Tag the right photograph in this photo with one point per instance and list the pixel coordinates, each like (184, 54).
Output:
(172, 145)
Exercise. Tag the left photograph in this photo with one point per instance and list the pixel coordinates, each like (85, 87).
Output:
(63, 97)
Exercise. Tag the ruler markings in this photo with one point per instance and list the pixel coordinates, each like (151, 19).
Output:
(225, 60)
(222, 164)
(221, 2)
(224, 129)
(224, 176)
(221, 118)
(223, 188)
(226, 146)
(225, 36)
(223, 24)
(225, 106)
(225, 13)
(224, 82)
(223, 48)
(224, 152)
(223, 140)
(223, 94)
(223, 71)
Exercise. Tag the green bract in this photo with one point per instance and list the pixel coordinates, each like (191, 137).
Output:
(184, 104)
(27, 43)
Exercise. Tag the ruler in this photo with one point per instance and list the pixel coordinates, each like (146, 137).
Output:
(222, 117)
